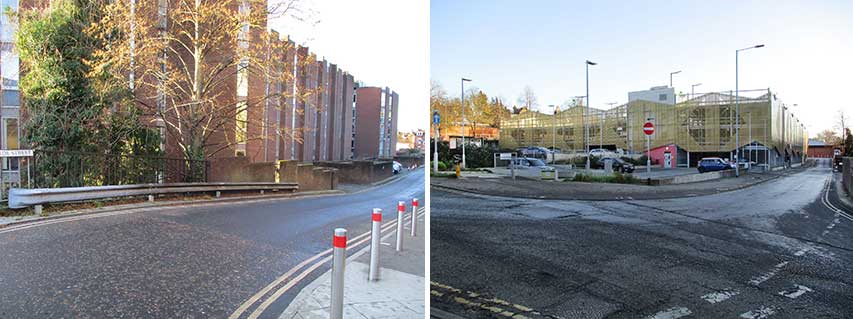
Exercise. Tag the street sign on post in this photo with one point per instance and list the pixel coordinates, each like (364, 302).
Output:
(649, 129)
(436, 119)
(506, 156)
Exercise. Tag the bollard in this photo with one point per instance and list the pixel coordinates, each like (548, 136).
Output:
(38, 209)
(262, 192)
(338, 264)
(414, 217)
(401, 208)
(150, 198)
(375, 238)
(217, 194)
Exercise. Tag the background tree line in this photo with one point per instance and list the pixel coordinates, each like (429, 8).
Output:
(480, 109)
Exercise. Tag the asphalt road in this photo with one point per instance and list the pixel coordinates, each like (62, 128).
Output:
(199, 261)
(774, 250)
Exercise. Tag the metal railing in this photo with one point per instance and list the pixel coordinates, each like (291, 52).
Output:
(21, 197)
(51, 169)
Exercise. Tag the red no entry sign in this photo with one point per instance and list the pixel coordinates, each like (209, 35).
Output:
(649, 128)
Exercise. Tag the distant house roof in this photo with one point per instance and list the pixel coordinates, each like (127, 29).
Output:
(813, 143)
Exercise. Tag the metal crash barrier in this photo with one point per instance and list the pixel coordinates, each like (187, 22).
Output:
(22, 198)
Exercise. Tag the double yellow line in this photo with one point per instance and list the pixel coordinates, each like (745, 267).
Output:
(310, 265)
(825, 200)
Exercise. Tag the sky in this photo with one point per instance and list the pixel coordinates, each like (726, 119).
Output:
(504, 46)
(380, 42)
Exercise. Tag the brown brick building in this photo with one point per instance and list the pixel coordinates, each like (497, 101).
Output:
(375, 105)
(310, 117)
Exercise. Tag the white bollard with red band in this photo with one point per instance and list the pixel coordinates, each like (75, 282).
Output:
(375, 237)
(339, 257)
(414, 217)
(401, 208)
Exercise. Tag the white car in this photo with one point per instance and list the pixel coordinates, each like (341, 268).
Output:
(599, 152)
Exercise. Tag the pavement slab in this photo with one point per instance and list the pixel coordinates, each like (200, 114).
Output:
(399, 292)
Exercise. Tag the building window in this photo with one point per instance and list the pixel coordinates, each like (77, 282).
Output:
(7, 28)
(9, 63)
(662, 97)
(11, 98)
(241, 123)
(10, 142)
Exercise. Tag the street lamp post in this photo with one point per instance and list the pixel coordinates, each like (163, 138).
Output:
(693, 90)
(737, 110)
(463, 120)
(670, 76)
(586, 113)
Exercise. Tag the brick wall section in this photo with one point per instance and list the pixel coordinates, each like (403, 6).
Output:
(347, 117)
(408, 161)
(308, 177)
(240, 169)
(367, 123)
(360, 172)
(847, 175)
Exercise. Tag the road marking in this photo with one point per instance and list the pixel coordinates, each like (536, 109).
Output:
(475, 300)
(720, 296)
(278, 281)
(802, 252)
(825, 200)
(290, 284)
(672, 313)
(759, 313)
(795, 292)
(758, 280)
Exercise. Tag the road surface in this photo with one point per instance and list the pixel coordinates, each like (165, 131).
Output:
(774, 250)
(198, 261)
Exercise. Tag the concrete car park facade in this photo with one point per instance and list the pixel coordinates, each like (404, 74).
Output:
(697, 127)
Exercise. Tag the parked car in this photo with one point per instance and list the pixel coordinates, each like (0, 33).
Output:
(600, 152)
(526, 162)
(397, 167)
(534, 152)
(619, 165)
(711, 164)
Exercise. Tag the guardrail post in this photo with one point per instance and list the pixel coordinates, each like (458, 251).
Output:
(375, 237)
(339, 242)
(217, 194)
(262, 192)
(401, 208)
(151, 198)
(38, 209)
(414, 217)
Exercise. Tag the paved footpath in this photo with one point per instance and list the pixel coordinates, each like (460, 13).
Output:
(399, 293)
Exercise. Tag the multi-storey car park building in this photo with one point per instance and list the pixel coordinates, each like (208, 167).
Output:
(320, 125)
(702, 126)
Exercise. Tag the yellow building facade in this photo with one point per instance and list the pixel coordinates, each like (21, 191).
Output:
(701, 126)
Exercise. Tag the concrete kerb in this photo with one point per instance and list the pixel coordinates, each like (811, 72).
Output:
(146, 204)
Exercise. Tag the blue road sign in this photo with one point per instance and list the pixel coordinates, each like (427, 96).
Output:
(435, 118)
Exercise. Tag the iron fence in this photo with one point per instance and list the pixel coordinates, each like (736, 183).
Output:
(51, 169)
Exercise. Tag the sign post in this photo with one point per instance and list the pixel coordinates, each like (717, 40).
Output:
(649, 129)
(14, 153)
(436, 119)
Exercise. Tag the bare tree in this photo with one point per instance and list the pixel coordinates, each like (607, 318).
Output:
(181, 59)
(528, 99)
(843, 121)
